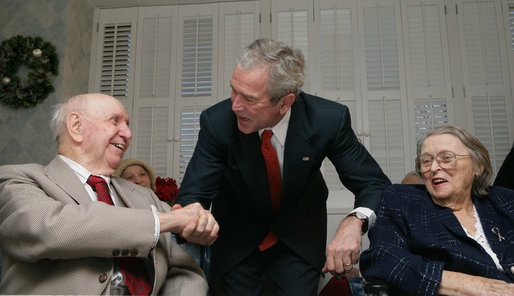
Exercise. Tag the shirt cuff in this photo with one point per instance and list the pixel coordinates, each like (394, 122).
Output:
(372, 218)
(157, 230)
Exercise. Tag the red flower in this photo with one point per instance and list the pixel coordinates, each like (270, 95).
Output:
(166, 189)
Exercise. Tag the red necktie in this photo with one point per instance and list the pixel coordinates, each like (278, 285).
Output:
(134, 272)
(274, 183)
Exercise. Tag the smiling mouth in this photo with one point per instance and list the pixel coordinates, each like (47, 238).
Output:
(120, 146)
(438, 181)
(244, 118)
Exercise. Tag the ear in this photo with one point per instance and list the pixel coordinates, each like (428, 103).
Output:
(286, 102)
(73, 125)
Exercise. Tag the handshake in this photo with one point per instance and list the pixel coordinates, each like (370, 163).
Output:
(192, 222)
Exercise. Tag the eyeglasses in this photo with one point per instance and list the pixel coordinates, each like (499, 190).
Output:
(445, 159)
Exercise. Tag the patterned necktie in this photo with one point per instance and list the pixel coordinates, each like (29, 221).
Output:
(274, 183)
(133, 269)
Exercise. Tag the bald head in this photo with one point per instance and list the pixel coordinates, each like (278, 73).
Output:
(92, 130)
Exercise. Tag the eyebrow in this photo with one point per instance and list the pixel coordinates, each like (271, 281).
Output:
(243, 94)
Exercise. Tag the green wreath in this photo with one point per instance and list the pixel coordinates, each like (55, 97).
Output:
(41, 59)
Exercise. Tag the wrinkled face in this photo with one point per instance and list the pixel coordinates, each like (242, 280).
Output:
(106, 134)
(451, 185)
(251, 103)
(137, 174)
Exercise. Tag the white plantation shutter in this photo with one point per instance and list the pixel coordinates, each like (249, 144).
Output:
(511, 22)
(152, 138)
(491, 126)
(381, 45)
(153, 116)
(116, 59)
(387, 139)
(291, 24)
(197, 55)
(427, 67)
(384, 94)
(156, 55)
(337, 54)
(429, 113)
(198, 29)
(486, 80)
(426, 47)
(113, 67)
(239, 26)
(189, 129)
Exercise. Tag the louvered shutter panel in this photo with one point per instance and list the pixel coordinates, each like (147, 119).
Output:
(153, 113)
(427, 65)
(152, 136)
(156, 52)
(491, 126)
(239, 26)
(291, 25)
(189, 129)
(429, 114)
(198, 44)
(511, 21)
(198, 40)
(485, 75)
(384, 93)
(114, 64)
(381, 45)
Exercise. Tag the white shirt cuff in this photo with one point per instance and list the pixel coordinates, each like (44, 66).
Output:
(157, 226)
(372, 218)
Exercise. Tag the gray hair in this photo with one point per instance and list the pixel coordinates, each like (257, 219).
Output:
(477, 152)
(61, 112)
(286, 72)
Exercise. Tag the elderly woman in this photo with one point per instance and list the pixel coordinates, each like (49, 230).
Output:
(138, 172)
(452, 236)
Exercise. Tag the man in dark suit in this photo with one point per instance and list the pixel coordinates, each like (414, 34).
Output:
(72, 228)
(260, 234)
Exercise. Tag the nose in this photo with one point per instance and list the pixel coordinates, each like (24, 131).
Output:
(124, 131)
(236, 102)
(435, 165)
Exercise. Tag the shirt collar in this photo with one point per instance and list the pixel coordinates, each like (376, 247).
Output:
(280, 129)
(80, 171)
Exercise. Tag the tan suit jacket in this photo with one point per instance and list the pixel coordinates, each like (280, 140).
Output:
(56, 240)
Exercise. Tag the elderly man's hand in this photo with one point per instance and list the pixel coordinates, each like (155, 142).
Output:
(203, 230)
(344, 249)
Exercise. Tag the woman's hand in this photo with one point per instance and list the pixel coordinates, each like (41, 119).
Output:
(456, 283)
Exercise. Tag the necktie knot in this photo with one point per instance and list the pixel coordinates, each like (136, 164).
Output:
(95, 182)
(99, 186)
(266, 136)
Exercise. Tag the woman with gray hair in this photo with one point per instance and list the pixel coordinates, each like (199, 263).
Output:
(452, 236)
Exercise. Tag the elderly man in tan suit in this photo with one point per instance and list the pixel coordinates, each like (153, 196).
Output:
(62, 233)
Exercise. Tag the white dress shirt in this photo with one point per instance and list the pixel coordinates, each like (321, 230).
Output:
(278, 141)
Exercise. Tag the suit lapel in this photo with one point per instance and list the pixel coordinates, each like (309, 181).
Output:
(299, 155)
(64, 177)
(248, 157)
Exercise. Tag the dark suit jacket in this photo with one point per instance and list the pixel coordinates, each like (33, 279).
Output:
(228, 168)
(414, 240)
(505, 176)
(56, 240)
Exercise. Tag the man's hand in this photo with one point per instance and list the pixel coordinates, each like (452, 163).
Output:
(344, 249)
(203, 230)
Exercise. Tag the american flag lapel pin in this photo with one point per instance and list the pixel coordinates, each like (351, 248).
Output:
(305, 158)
